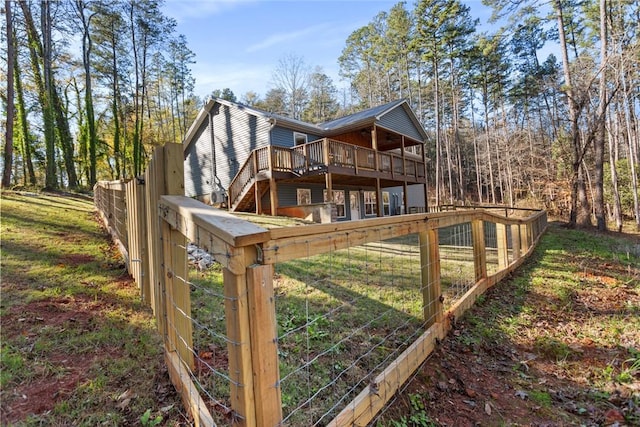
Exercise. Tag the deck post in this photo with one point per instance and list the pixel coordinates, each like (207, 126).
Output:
(376, 167)
(430, 276)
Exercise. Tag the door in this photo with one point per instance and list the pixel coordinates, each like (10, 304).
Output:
(354, 202)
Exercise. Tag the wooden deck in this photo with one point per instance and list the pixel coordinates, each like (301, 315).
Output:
(347, 164)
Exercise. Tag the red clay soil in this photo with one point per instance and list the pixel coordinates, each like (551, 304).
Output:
(46, 389)
(551, 375)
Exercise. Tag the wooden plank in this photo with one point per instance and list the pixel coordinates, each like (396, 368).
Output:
(515, 240)
(285, 249)
(501, 238)
(154, 186)
(430, 276)
(227, 227)
(372, 399)
(171, 336)
(264, 349)
(239, 348)
(465, 302)
(178, 295)
(479, 249)
(173, 169)
(188, 391)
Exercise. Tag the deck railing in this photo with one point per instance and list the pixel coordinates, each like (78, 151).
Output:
(308, 325)
(320, 154)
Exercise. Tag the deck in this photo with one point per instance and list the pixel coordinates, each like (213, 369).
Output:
(311, 162)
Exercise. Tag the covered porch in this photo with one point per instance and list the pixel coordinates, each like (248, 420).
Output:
(329, 162)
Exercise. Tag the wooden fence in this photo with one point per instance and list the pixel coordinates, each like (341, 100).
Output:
(242, 383)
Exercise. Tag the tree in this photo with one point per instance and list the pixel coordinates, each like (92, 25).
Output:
(225, 93)
(111, 67)
(40, 52)
(275, 101)
(8, 145)
(323, 105)
(291, 77)
(85, 15)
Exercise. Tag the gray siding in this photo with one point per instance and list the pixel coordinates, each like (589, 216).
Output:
(236, 134)
(398, 120)
(284, 137)
(197, 165)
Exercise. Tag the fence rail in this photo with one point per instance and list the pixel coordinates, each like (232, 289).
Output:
(306, 325)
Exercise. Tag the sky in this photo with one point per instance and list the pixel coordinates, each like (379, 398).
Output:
(238, 43)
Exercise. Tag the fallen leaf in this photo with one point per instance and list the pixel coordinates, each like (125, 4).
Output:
(125, 395)
(613, 415)
(487, 408)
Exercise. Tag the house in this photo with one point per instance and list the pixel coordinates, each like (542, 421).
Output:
(367, 164)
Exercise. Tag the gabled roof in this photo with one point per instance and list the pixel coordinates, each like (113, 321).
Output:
(371, 116)
(366, 116)
(354, 121)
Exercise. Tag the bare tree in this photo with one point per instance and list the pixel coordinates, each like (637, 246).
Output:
(292, 77)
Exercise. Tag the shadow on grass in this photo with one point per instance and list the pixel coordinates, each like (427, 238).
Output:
(555, 344)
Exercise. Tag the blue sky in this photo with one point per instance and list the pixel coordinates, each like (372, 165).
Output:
(238, 43)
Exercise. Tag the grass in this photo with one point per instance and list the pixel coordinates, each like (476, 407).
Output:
(75, 336)
(342, 317)
(568, 326)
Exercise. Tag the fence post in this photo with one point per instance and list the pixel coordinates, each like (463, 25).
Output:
(153, 188)
(479, 249)
(177, 295)
(515, 241)
(264, 348)
(430, 276)
(501, 241)
(236, 308)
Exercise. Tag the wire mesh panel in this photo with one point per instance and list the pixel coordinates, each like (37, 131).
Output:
(456, 261)
(491, 246)
(342, 317)
(205, 343)
(210, 341)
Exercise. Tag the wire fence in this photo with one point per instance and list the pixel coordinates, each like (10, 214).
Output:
(318, 324)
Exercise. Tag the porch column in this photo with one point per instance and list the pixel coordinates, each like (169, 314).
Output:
(426, 179)
(404, 196)
(374, 146)
(327, 161)
(273, 196)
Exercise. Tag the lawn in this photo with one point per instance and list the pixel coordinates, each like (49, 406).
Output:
(557, 343)
(77, 346)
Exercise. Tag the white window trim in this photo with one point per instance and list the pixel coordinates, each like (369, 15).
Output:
(296, 135)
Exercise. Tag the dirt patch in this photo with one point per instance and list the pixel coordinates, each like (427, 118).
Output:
(43, 392)
(57, 376)
(572, 360)
(74, 260)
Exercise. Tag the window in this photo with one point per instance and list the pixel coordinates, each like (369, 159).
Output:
(299, 138)
(386, 204)
(338, 199)
(370, 203)
(304, 196)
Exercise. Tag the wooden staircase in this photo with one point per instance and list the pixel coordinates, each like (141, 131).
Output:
(246, 201)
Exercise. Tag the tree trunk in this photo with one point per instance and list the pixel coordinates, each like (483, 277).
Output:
(23, 125)
(598, 175)
(8, 146)
(36, 54)
(580, 214)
